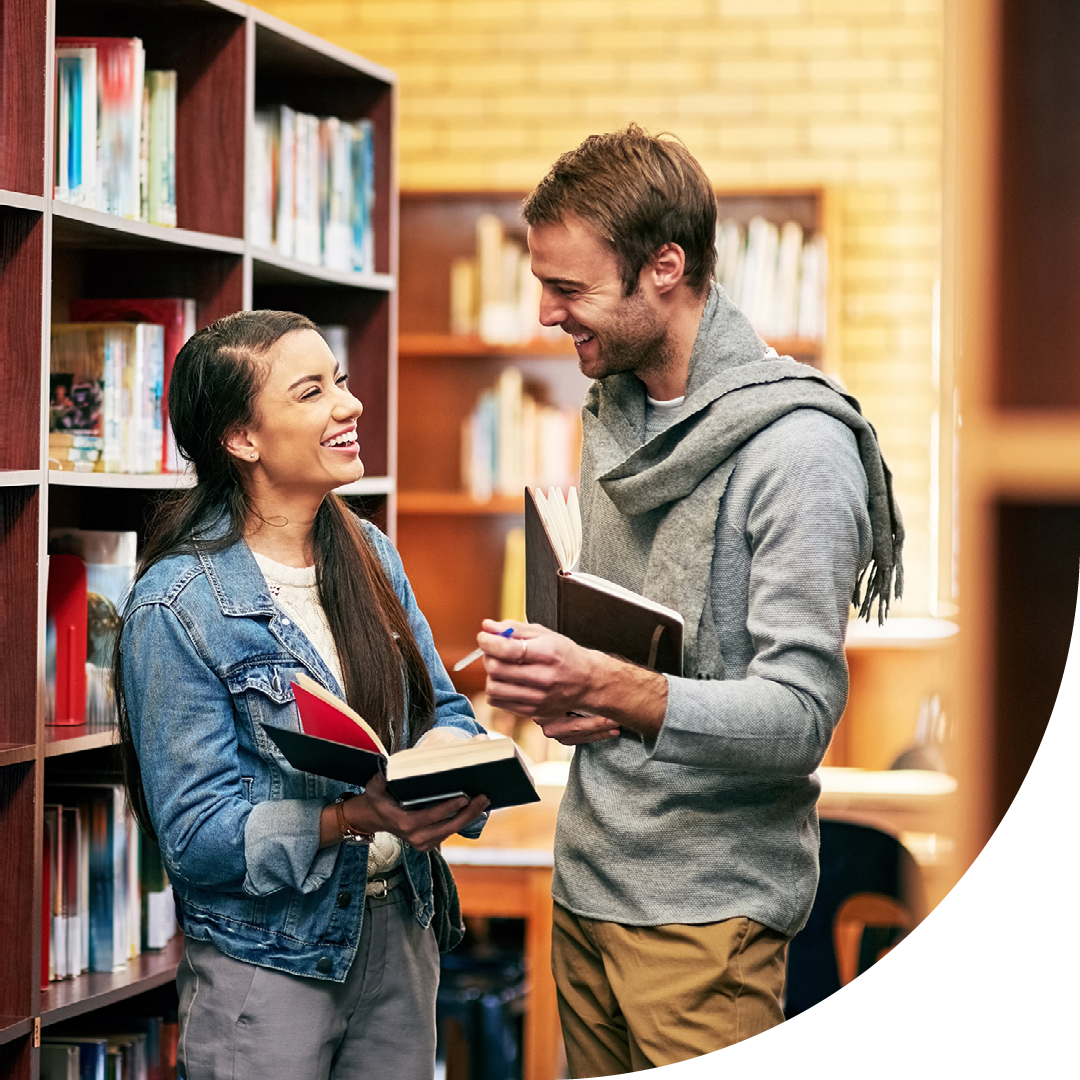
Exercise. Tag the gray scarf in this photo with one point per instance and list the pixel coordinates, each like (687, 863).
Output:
(649, 509)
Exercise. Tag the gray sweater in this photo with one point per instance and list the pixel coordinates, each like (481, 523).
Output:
(717, 818)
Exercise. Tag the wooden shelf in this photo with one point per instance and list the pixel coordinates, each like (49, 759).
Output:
(12, 1028)
(15, 753)
(269, 268)
(128, 481)
(20, 201)
(64, 739)
(94, 990)
(76, 226)
(421, 345)
(20, 477)
(457, 502)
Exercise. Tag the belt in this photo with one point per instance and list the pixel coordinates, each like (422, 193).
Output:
(382, 884)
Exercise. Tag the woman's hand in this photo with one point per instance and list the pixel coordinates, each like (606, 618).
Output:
(376, 810)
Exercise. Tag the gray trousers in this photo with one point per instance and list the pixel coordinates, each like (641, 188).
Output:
(239, 1021)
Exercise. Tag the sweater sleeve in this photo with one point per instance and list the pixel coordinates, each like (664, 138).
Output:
(792, 538)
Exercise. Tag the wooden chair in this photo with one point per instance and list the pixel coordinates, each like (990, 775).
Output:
(862, 911)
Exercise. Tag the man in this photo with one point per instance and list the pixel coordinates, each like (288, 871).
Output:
(747, 492)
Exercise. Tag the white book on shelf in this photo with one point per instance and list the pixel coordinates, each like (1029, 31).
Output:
(261, 179)
(762, 240)
(786, 294)
(286, 194)
(161, 148)
(362, 202)
(730, 247)
(306, 223)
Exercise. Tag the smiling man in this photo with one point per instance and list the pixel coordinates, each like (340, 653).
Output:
(748, 492)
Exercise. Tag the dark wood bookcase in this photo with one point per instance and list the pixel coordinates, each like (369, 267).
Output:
(453, 545)
(229, 59)
(1013, 211)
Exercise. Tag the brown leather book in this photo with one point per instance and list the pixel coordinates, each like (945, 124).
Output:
(594, 612)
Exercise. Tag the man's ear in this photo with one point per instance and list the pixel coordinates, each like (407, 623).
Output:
(666, 267)
(239, 444)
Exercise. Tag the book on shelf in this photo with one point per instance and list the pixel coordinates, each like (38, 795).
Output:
(65, 640)
(592, 611)
(336, 742)
(115, 129)
(493, 293)
(177, 318)
(312, 190)
(135, 1044)
(109, 895)
(106, 559)
(121, 366)
(775, 275)
(510, 439)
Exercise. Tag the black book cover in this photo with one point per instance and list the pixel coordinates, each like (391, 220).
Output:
(505, 781)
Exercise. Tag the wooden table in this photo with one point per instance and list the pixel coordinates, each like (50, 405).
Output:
(507, 872)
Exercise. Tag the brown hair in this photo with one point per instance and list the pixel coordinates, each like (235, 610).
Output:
(215, 380)
(639, 192)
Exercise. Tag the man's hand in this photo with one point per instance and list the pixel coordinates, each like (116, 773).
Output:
(546, 676)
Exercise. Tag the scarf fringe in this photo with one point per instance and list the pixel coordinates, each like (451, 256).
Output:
(878, 582)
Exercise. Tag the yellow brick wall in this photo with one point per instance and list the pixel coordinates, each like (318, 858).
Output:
(845, 93)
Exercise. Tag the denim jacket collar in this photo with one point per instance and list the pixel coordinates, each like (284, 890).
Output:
(241, 591)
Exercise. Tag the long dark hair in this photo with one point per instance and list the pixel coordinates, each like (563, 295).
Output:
(215, 381)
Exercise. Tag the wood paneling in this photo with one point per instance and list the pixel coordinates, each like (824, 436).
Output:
(22, 95)
(19, 508)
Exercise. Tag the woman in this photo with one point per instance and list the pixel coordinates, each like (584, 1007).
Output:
(307, 949)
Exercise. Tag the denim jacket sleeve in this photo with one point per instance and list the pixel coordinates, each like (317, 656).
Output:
(184, 728)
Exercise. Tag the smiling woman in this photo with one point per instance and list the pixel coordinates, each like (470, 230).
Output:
(305, 905)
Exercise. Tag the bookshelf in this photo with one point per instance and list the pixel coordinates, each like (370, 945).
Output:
(230, 59)
(452, 543)
(1013, 224)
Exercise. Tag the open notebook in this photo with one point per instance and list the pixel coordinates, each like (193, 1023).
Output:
(590, 610)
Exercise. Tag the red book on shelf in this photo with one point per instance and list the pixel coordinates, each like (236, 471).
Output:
(66, 605)
(177, 316)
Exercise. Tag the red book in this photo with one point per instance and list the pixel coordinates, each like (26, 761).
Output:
(326, 716)
(178, 318)
(66, 605)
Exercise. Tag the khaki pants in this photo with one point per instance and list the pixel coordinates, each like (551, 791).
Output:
(637, 997)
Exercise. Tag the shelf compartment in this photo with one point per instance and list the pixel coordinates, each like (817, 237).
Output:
(122, 481)
(22, 250)
(458, 502)
(206, 45)
(62, 739)
(298, 69)
(94, 990)
(19, 510)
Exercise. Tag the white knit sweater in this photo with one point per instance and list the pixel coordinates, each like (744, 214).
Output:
(295, 591)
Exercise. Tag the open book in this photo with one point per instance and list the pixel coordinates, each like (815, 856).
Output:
(335, 741)
(592, 611)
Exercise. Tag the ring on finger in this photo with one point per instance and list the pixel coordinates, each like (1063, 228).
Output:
(524, 651)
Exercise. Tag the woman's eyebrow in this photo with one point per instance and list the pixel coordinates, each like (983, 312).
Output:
(304, 379)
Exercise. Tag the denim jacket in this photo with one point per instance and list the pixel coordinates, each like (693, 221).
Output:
(208, 657)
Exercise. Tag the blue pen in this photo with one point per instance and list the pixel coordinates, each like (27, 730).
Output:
(465, 661)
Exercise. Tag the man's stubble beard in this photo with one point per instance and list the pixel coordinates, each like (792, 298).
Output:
(639, 345)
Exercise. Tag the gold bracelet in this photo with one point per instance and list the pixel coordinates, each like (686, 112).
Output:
(348, 834)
